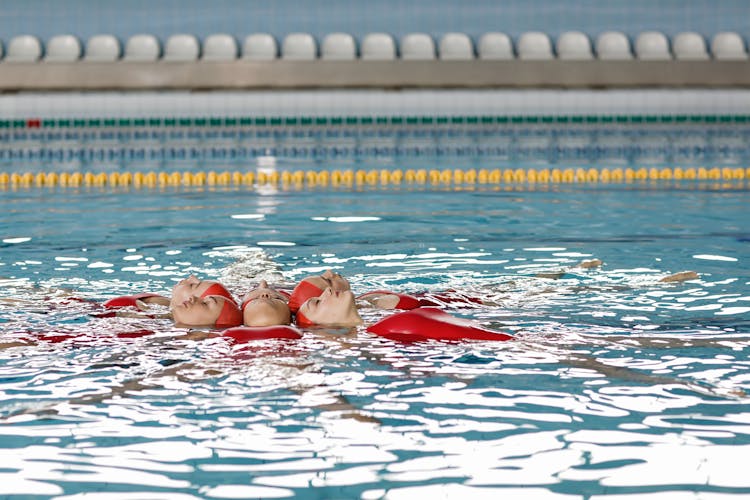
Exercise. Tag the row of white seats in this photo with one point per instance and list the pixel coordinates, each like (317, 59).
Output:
(572, 45)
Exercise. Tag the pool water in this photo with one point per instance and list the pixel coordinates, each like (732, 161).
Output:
(616, 385)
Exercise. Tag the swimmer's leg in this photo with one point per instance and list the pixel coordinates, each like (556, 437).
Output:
(680, 277)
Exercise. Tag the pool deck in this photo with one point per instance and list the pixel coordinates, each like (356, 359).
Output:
(398, 74)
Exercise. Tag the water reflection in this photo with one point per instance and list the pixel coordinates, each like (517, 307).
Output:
(616, 383)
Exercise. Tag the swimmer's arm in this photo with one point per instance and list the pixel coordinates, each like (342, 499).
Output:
(145, 303)
(198, 335)
(142, 314)
(385, 301)
(158, 300)
(585, 264)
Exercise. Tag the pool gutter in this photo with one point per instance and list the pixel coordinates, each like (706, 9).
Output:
(280, 74)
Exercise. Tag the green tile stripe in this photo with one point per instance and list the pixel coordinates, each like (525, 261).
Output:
(276, 121)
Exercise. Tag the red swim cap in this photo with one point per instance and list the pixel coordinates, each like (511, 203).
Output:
(217, 289)
(303, 291)
(229, 316)
(303, 320)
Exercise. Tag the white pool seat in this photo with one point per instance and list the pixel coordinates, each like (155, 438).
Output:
(102, 48)
(728, 46)
(378, 47)
(299, 47)
(260, 47)
(495, 46)
(689, 46)
(613, 46)
(417, 47)
(62, 48)
(219, 47)
(456, 47)
(338, 46)
(574, 46)
(652, 46)
(24, 48)
(142, 48)
(182, 47)
(534, 45)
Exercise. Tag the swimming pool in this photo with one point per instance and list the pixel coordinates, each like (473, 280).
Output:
(616, 385)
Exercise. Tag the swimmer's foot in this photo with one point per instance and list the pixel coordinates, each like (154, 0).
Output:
(590, 264)
(680, 277)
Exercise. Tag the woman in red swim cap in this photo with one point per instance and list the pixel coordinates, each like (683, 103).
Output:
(421, 323)
(182, 291)
(194, 287)
(265, 306)
(331, 308)
(313, 286)
(212, 310)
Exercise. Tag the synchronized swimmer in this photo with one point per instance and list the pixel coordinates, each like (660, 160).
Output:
(323, 300)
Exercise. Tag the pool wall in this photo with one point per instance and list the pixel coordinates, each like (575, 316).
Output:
(68, 113)
(646, 134)
(363, 104)
(394, 74)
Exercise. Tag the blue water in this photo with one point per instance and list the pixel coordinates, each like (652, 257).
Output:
(616, 384)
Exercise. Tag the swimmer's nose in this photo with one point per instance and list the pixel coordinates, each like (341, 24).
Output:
(328, 273)
(263, 284)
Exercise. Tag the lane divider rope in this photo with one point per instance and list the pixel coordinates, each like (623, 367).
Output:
(381, 177)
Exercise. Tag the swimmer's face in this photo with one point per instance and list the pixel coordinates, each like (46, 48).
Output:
(264, 291)
(329, 279)
(332, 308)
(196, 311)
(266, 312)
(189, 287)
(264, 306)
